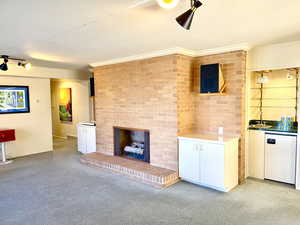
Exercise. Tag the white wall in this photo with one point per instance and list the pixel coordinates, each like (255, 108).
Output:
(80, 106)
(277, 56)
(33, 130)
(298, 145)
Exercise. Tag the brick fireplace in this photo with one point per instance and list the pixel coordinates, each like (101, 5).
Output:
(132, 143)
(161, 95)
(139, 94)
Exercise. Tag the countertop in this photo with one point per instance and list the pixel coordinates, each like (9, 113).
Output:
(275, 129)
(209, 137)
(273, 126)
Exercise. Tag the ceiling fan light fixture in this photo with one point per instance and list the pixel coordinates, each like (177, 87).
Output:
(168, 4)
(185, 20)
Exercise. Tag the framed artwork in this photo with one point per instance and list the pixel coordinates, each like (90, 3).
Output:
(14, 99)
(65, 104)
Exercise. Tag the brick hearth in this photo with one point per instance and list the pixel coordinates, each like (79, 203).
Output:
(139, 170)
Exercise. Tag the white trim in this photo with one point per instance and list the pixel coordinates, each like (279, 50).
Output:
(171, 51)
(44, 72)
(256, 69)
(153, 54)
(230, 48)
(298, 147)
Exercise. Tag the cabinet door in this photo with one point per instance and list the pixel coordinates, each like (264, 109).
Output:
(256, 154)
(189, 157)
(212, 165)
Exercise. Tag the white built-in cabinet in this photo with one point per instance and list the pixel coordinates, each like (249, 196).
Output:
(209, 161)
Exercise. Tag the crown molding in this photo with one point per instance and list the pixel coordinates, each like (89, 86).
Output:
(44, 72)
(229, 48)
(171, 51)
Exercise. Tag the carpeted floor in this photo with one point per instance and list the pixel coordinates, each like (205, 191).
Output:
(55, 189)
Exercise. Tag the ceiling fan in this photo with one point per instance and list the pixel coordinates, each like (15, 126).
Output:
(184, 20)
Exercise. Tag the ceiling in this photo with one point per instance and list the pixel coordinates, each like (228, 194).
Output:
(75, 33)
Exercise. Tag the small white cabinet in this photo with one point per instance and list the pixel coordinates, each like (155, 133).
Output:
(209, 161)
(86, 138)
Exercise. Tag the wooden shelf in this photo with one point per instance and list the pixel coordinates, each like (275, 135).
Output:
(212, 94)
(274, 87)
(279, 107)
(274, 98)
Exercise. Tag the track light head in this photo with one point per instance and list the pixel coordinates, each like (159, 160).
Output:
(27, 66)
(4, 66)
(185, 20)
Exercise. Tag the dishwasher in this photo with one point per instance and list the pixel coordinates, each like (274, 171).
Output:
(280, 157)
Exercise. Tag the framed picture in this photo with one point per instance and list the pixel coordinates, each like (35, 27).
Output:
(65, 105)
(14, 99)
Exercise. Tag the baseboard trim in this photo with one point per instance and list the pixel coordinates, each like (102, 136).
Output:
(30, 154)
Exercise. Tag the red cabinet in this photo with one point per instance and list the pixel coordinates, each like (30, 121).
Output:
(7, 135)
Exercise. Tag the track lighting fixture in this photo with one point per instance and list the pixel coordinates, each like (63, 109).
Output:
(22, 62)
(185, 20)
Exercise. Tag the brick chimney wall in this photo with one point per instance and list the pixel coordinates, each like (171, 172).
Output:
(161, 94)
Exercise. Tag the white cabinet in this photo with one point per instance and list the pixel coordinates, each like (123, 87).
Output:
(189, 160)
(256, 154)
(86, 138)
(211, 163)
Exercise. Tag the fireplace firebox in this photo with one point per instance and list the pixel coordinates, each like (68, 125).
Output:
(132, 143)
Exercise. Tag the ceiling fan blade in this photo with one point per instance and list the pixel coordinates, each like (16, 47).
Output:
(142, 3)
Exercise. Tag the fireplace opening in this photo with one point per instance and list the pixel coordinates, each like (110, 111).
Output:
(132, 143)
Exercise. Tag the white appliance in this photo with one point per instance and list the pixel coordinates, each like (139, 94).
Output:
(86, 137)
(280, 157)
